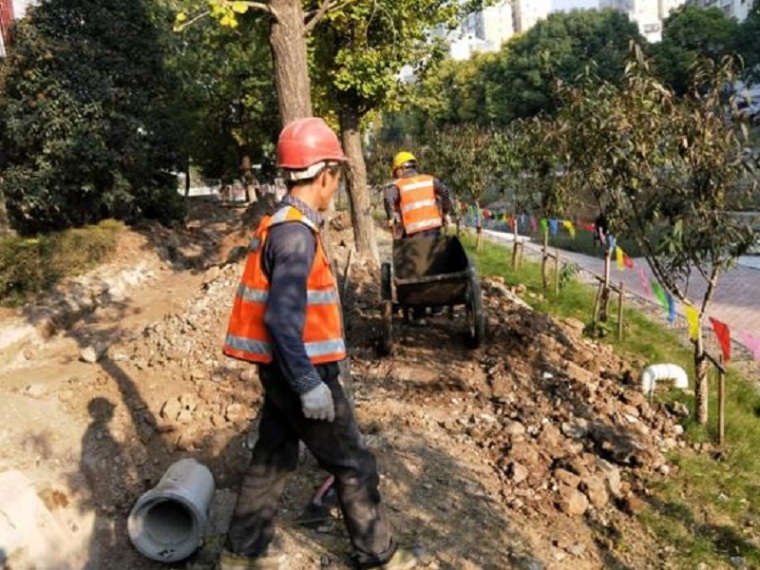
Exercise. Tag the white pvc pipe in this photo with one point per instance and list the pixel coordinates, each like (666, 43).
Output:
(656, 372)
(167, 522)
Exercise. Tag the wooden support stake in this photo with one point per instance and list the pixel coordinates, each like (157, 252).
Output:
(597, 299)
(556, 274)
(721, 404)
(620, 313)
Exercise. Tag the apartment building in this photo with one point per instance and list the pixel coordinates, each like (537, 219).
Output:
(528, 12)
(482, 31)
(6, 17)
(9, 11)
(738, 9)
(649, 15)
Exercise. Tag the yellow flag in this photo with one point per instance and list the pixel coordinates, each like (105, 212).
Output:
(568, 225)
(692, 317)
(619, 258)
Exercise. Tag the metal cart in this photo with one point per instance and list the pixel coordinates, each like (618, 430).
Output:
(430, 272)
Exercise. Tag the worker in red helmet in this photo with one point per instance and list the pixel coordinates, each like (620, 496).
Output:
(286, 318)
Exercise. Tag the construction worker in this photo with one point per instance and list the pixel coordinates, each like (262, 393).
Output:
(286, 318)
(417, 206)
(420, 201)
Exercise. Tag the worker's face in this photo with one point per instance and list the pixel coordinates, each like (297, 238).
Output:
(329, 181)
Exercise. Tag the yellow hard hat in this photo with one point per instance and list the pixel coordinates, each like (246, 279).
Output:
(402, 158)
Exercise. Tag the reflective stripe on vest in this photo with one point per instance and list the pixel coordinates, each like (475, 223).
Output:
(247, 337)
(419, 209)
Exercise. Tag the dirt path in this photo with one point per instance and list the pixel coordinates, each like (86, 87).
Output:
(530, 452)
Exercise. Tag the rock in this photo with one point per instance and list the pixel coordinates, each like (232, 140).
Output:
(92, 353)
(632, 505)
(517, 472)
(596, 491)
(571, 501)
(576, 429)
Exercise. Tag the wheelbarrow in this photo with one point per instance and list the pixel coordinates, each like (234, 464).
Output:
(430, 273)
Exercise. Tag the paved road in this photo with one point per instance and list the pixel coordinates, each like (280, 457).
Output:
(736, 301)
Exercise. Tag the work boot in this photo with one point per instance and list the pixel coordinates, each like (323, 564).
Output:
(230, 561)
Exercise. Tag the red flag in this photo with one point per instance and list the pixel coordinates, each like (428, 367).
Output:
(588, 226)
(627, 261)
(724, 337)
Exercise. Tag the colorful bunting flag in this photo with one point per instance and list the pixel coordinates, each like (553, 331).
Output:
(619, 258)
(589, 226)
(644, 283)
(692, 317)
(627, 261)
(752, 343)
(568, 225)
(544, 225)
(724, 337)
(671, 307)
(533, 225)
(553, 225)
(659, 292)
(612, 242)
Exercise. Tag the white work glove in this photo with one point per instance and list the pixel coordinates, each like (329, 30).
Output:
(317, 403)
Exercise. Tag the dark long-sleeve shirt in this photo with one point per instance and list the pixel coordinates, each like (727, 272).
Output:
(288, 257)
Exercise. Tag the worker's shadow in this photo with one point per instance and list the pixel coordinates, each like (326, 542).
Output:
(104, 467)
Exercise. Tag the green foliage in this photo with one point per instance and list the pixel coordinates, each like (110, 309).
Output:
(691, 33)
(747, 42)
(560, 48)
(29, 266)
(664, 170)
(228, 93)
(467, 158)
(87, 129)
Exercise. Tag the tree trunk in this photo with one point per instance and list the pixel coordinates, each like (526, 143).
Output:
(701, 386)
(5, 226)
(358, 193)
(544, 260)
(288, 42)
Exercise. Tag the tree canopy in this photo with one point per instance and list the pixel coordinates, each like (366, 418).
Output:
(688, 34)
(87, 129)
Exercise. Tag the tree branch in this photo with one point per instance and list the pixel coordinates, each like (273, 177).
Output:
(325, 7)
(184, 25)
(263, 7)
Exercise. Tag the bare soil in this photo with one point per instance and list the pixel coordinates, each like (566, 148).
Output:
(533, 451)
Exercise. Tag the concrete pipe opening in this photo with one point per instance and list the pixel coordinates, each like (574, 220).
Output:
(167, 522)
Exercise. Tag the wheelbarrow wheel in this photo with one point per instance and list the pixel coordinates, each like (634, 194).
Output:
(386, 337)
(386, 292)
(476, 320)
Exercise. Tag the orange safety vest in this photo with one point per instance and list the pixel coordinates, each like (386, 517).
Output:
(247, 337)
(419, 209)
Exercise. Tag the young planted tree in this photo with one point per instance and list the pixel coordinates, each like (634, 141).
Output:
(669, 176)
(539, 180)
(467, 158)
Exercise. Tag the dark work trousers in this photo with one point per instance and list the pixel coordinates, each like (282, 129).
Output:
(339, 449)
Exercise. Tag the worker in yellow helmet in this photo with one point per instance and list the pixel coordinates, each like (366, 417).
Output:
(418, 202)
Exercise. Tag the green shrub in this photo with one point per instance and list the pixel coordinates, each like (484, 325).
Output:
(29, 266)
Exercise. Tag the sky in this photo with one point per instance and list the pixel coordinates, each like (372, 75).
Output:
(558, 5)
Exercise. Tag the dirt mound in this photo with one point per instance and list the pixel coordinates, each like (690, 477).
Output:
(531, 452)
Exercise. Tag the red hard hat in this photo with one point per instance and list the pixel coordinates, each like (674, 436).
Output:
(304, 142)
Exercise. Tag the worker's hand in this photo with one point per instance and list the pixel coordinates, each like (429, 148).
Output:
(317, 403)
(390, 223)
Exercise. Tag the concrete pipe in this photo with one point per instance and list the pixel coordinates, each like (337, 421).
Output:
(167, 522)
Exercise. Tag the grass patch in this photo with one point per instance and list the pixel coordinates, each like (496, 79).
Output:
(30, 266)
(708, 509)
